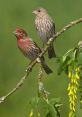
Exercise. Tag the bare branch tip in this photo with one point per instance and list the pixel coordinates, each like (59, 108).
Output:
(2, 99)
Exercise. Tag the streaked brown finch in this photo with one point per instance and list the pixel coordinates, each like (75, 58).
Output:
(45, 28)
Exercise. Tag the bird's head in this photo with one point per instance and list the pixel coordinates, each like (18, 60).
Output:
(40, 12)
(20, 33)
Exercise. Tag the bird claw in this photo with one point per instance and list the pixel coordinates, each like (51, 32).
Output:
(29, 68)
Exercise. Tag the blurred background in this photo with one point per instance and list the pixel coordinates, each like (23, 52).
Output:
(18, 13)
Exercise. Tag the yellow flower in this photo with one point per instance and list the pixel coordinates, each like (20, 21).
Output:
(31, 113)
(77, 76)
(69, 74)
(78, 69)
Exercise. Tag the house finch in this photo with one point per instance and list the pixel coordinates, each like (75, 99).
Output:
(45, 28)
(29, 48)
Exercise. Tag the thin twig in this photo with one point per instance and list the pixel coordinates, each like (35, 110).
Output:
(21, 82)
(41, 90)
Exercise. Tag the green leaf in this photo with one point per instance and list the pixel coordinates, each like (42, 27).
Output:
(60, 69)
(54, 108)
(75, 54)
(34, 101)
(51, 111)
(66, 60)
(56, 102)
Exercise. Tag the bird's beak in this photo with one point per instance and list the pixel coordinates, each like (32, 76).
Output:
(34, 12)
(15, 33)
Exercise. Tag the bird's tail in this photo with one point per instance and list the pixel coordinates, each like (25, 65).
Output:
(51, 52)
(45, 67)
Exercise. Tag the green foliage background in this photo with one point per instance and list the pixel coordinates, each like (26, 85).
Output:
(18, 13)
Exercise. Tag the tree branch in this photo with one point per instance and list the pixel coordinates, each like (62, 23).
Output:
(28, 70)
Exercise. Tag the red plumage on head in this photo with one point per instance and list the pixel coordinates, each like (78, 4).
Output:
(20, 33)
(19, 30)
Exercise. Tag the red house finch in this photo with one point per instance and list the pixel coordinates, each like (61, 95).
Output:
(45, 28)
(29, 48)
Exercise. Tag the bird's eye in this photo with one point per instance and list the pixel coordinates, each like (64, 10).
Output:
(20, 32)
(39, 10)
